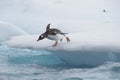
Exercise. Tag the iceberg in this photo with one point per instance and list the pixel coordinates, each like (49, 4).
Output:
(85, 48)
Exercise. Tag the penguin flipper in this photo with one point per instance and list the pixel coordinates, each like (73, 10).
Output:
(48, 27)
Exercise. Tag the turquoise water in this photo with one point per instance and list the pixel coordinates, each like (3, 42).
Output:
(26, 64)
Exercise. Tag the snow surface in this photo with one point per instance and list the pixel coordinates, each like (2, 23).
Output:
(79, 41)
(9, 30)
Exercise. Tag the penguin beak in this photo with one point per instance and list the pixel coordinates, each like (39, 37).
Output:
(40, 38)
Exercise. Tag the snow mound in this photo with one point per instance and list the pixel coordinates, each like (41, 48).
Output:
(79, 41)
(9, 30)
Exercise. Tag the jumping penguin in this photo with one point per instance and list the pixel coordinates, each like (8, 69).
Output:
(53, 34)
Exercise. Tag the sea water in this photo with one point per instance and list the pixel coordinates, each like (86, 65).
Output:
(28, 64)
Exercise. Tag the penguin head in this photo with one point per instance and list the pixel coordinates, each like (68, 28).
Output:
(44, 35)
(41, 37)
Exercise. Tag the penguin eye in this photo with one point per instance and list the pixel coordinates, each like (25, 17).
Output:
(41, 36)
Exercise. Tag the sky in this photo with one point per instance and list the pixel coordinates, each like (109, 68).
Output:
(34, 15)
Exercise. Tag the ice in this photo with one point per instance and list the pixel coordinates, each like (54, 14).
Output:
(79, 41)
(85, 48)
(9, 30)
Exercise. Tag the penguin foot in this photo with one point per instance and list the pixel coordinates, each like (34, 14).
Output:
(68, 39)
(55, 44)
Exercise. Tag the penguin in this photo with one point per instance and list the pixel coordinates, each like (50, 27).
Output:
(53, 34)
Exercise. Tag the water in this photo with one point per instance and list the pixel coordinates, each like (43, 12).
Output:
(26, 64)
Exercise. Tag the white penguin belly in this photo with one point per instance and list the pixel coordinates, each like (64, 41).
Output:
(55, 37)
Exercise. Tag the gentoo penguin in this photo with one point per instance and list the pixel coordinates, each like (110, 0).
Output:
(53, 34)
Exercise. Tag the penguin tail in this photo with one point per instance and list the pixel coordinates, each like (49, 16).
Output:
(64, 33)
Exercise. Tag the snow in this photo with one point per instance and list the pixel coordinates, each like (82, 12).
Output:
(9, 30)
(79, 41)
(97, 37)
